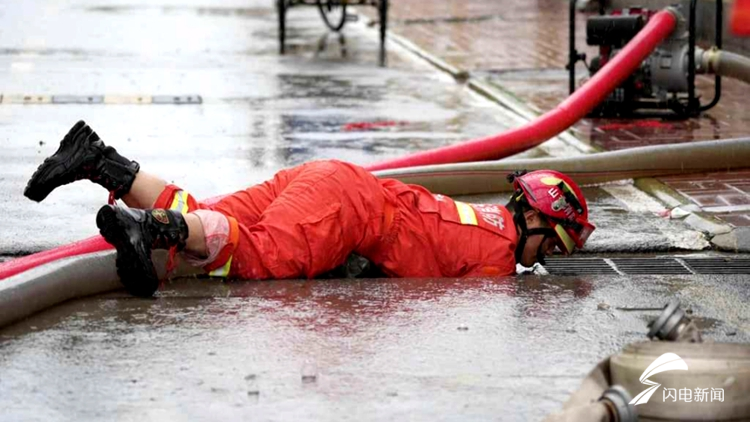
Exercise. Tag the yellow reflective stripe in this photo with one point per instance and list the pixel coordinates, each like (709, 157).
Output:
(466, 213)
(224, 270)
(180, 203)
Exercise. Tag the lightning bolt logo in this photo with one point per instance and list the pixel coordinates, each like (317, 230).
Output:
(665, 362)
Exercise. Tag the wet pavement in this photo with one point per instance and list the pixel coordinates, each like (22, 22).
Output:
(510, 349)
(477, 349)
(260, 112)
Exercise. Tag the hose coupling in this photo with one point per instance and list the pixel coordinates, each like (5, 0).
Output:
(707, 61)
(617, 399)
(674, 325)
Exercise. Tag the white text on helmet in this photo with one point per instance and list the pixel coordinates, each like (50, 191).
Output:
(560, 204)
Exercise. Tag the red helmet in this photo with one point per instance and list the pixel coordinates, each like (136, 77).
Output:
(561, 201)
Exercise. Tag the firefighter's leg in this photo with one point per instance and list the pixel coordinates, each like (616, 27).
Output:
(145, 190)
(248, 205)
(82, 156)
(135, 233)
(210, 237)
(213, 235)
(212, 246)
(302, 223)
(325, 212)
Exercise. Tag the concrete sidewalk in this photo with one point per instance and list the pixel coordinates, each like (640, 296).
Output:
(520, 48)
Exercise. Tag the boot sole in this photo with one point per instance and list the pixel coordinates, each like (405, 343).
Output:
(54, 168)
(134, 265)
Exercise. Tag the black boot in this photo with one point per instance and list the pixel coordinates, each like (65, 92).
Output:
(135, 233)
(82, 155)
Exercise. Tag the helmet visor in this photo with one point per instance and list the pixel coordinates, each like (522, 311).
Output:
(572, 235)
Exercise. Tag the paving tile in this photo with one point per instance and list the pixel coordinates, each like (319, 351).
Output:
(744, 187)
(710, 200)
(720, 192)
(735, 219)
(735, 199)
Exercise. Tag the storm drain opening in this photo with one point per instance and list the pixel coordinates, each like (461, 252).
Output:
(578, 266)
(648, 266)
(718, 265)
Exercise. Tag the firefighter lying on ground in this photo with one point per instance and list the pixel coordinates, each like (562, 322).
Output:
(308, 219)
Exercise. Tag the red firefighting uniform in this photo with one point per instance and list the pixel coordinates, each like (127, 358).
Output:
(308, 219)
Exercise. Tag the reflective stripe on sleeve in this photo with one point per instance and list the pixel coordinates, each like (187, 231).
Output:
(180, 202)
(226, 253)
(466, 213)
(222, 271)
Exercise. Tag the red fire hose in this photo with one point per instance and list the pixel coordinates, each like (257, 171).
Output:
(499, 146)
(553, 122)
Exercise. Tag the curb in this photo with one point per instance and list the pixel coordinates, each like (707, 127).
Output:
(738, 240)
(721, 236)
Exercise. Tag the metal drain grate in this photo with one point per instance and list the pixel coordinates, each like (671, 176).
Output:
(718, 265)
(577, 266)
(659, 266)
(648, 266)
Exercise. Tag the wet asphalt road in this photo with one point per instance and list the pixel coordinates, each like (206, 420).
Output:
(369, 350)
(416, 349)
